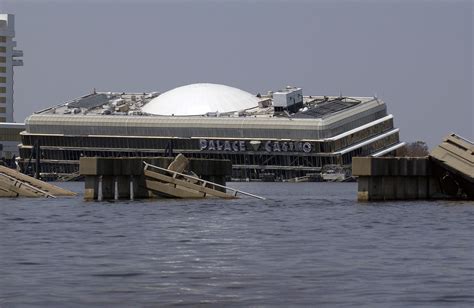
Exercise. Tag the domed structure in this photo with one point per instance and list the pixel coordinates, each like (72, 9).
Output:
(199, 99)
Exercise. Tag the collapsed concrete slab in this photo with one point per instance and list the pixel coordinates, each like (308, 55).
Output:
(454, 160)
(16, 184)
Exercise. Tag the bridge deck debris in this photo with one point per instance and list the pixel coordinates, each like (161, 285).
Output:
(455, 160)
(16, 184)
(180, 185)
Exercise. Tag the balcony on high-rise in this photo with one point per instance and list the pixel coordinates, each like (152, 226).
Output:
(17, 53)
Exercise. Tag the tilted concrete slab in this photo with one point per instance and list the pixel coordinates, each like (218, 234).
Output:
(14, 183)
(179, 164)
(457, 155)
(454, 158)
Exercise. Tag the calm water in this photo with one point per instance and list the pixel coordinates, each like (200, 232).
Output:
(308, 245)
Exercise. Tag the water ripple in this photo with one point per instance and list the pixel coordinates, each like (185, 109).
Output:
(309, 244)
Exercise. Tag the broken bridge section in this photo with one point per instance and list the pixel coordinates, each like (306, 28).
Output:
(454, 161)
(16, 184)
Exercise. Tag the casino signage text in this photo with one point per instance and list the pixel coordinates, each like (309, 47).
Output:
(255, 145)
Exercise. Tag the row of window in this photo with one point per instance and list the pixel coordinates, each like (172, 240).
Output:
(359, 122)
(3, 39)
(188, 144)
(239, 173)
(236, 158)
(2, 119)
(10, 137)
(290, 160)
(370, 148)
(3, 109)
(243, 159)
(369, 132)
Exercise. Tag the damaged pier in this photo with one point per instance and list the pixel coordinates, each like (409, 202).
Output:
(138, 178)
(447, 173)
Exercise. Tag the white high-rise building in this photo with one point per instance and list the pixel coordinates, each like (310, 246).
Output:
(9, 57)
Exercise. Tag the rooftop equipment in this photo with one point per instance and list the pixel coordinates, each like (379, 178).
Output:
(290, 99)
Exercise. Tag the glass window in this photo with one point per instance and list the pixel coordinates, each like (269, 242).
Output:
(3, 79)
(3, 59)
(3, 39)
(3, 89)
(3, 49)
(3, 69)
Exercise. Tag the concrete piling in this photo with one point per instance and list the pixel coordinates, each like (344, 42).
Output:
(394, 178)
(132, 188)
(401, 178)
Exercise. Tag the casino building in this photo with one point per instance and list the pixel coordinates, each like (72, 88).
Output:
(281, 133)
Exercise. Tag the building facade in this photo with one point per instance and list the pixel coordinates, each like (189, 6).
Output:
(9, 58)
(10, 139)
(260, 141)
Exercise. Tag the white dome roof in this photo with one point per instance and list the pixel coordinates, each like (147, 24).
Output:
(199, 99)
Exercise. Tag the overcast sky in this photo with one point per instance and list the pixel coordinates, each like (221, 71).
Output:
(415, 55)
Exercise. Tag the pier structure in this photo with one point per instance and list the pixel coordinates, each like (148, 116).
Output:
(447, 173)
(395, 178)
(108, 178)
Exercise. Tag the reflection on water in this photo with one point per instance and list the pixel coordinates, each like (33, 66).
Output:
(308, 244)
